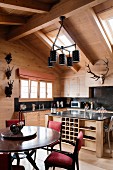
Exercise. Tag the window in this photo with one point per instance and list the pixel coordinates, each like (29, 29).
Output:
(34, 89)
(30, 89)
(45, 90)
(24, 89)
(42, 90)
(49, 90)
(63, 39)
(106, 19)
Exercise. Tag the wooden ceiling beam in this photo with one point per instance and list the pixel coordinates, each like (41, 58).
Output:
(50, 1)
(72, 33)
(44, 39)
(64, 7)
(25, 5)
(11, 20)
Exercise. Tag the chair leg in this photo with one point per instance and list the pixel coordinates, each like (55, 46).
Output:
(47, 150)
(60, 147)
(35, 155)
(77, 164)
(18, 159)
(53, 168)
(46, 167)
(109, 142)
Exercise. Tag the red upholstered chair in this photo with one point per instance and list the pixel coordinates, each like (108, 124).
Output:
(64, 159)
(55, 126)
(58, 127)
(16, 155)
(5, 163)
(13, 121)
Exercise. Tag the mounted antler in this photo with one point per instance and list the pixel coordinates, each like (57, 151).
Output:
(102, 76)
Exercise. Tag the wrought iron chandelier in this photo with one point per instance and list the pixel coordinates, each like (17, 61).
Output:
(72, 57)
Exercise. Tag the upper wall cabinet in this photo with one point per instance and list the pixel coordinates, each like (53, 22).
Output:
(74, 87)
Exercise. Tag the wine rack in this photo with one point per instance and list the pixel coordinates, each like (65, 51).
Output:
(69, 129)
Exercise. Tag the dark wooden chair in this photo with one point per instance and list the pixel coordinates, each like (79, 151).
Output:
(108, 129)
(64, 159)
(55, 126)
(58, 127)
(16, 155)
(6, 164)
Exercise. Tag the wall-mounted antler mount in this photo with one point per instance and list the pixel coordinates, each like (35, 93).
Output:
(101, 76)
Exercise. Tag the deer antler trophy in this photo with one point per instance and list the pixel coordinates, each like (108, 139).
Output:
(101, 76)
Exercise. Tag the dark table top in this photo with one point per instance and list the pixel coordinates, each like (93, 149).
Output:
(90, 115)
(39, 137)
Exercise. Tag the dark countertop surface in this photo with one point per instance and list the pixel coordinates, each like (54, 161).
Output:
(89, 115)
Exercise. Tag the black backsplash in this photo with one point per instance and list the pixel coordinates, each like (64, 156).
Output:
(47, 104)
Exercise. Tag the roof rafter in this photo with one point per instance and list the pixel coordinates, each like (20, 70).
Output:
(30, 6)
(67, 8)
(11, 20)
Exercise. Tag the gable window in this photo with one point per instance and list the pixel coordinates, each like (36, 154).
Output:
(106, 19)
(63, 39)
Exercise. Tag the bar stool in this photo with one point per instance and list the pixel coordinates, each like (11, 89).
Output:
(108, 130)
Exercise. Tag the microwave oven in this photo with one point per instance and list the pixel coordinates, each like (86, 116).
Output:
(75, 104)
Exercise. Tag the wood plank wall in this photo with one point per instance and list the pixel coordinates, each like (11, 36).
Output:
(21, 58)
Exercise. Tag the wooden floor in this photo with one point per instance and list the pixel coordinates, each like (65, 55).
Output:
(88, 160)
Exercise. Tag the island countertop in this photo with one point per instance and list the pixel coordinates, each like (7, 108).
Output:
(90, 115)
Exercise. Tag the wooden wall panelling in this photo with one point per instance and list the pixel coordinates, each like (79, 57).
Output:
(21, 58)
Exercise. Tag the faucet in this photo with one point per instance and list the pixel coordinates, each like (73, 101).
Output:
(42, 106)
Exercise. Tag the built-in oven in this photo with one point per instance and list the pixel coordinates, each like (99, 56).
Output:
(75, 104)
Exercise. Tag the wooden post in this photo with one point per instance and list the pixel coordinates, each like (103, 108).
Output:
(99, 138)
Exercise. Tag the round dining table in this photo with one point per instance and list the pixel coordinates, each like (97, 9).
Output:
(27, 140)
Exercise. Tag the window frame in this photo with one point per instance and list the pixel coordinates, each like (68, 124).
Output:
(38, 91)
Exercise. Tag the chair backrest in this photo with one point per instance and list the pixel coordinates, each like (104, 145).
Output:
(5, 161)
(6, 164)
(79, 143)
(55, 125)
(13, 121)
(110, 125)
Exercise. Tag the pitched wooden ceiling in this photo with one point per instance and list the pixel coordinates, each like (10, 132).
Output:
(29, 21)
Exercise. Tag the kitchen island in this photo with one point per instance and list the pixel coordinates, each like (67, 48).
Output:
(90, 122)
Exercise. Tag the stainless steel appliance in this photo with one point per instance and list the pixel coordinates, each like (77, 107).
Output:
(75, 104)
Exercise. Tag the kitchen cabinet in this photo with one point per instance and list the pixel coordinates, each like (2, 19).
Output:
(36, 118)
(74, 87)
(72, 126)
(31, 118)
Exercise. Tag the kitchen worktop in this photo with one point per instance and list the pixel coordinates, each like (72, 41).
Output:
(90, 115)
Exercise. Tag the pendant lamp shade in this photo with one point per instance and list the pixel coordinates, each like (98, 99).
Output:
(75, 56)
(69, 61)
(50, 64)
(53, 56)
(62, 59)
(66, 56)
